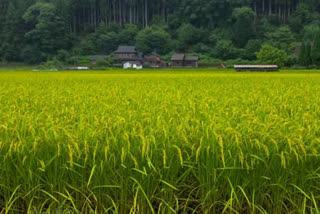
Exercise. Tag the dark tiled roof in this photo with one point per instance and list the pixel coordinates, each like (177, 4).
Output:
(128, 59)
(177, 57)
(126, 49)
(191, 58)
(96, 57)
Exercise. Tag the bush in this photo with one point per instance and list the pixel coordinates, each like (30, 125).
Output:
(54, 64)
(63, 56)
(272, 55)
(224, 50)
(291, 61)
(84, 60)
(102, 63)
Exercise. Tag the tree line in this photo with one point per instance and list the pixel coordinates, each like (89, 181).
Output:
(37, 30)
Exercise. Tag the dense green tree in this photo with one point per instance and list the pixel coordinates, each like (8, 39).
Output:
(153, 39)
(106, 43)
(309, 31)
(250, 50)
(47, 31)
(282, 38)
(243, 28)
(187, 35)
(305, 54)
(12, 40)
(304, 15)
(315, 51)
(224, 50)
(128, 34)
(32, 54)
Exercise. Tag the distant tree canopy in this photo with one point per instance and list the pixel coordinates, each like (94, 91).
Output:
(223, 29)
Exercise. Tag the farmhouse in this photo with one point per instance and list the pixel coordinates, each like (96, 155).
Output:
(180, 60)
(128, 54)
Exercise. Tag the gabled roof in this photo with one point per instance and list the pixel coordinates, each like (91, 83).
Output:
(96, 57)
(191, 58)
(177, 57)
(126, 49)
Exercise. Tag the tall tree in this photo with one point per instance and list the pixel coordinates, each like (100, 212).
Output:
(13, 34)
(243, 28)
(47, 29)
(305, 54)
(315, 51)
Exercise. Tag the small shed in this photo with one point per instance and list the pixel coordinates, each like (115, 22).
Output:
(256, 67)
(177, 60)
(191, 61)
(181, 60)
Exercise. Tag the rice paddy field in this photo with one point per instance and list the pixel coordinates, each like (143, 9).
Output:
(159, 142)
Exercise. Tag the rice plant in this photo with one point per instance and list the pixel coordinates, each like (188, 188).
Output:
(159, 142)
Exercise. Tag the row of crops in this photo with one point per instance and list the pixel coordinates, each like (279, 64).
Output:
(159, 142)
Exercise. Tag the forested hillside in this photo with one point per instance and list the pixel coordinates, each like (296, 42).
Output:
(34, 31)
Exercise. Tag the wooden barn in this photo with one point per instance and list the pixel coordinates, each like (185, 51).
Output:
(191, 61)
(181, 60)
(177, 60)
(155, 61)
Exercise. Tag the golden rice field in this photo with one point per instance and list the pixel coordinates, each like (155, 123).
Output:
(159, 142)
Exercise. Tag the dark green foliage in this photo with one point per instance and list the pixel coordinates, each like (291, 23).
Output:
(282, 38)
(128, 34)
(90, 27)
(32, 55)
(63, 56)
(187, 35)
(12, 40)
(102, 63)
(224, 50)
(305, 54)
(46, 29)
(252, 47)
(153, 39)
(304, 15)
(315, 51)
(243, 28)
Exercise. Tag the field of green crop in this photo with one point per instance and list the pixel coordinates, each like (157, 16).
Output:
(159, 142)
